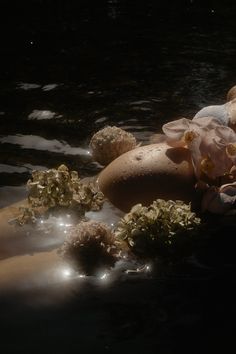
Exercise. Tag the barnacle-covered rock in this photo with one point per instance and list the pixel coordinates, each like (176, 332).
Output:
(90, 246)
(165, 229)
(109, 143)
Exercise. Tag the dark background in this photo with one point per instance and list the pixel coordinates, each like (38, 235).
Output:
(135, 64)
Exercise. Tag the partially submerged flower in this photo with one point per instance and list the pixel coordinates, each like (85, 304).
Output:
(109, 143)
(90, 246)
(165, 229)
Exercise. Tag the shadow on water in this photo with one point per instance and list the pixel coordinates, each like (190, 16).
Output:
(69, 68)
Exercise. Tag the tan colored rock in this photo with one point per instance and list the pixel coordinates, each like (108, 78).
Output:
(147, 173)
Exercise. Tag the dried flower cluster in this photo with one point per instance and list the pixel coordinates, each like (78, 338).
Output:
(165, 229)
(59, 188)
(90, 246)
(109, 143)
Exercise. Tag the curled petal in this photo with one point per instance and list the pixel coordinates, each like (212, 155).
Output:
(175, 130)
(213, 149)
(206, 122)
(225, 134)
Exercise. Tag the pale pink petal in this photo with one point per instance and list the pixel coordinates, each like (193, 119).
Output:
(196, 156)
(206, 122)
(176, 129)
(216, 153)
(226, 135)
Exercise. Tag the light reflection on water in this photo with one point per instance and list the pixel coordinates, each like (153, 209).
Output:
(40, 143)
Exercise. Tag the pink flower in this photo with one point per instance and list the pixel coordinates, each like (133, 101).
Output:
(212, 145)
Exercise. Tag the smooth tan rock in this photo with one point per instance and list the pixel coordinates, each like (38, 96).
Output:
(147, 173)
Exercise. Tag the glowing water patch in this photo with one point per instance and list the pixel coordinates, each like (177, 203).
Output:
(140, 102)
(12, 169)
(66, 272)
(101, 120)
(39, 143)
(49, 87)
(27, 86)
(38, 114)
(104, 276)
(4, 168)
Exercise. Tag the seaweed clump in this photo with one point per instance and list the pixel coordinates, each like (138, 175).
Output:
(90, 246)
(109, 143)
(58, 188)
(165, 229)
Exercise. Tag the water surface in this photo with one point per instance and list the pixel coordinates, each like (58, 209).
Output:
(68, 69)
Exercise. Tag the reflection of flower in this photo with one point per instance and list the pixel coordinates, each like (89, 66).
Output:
(212, 145)
(90, 246)
(165, 228)
(111, 142)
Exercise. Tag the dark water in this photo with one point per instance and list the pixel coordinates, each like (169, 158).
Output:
(68, 69)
